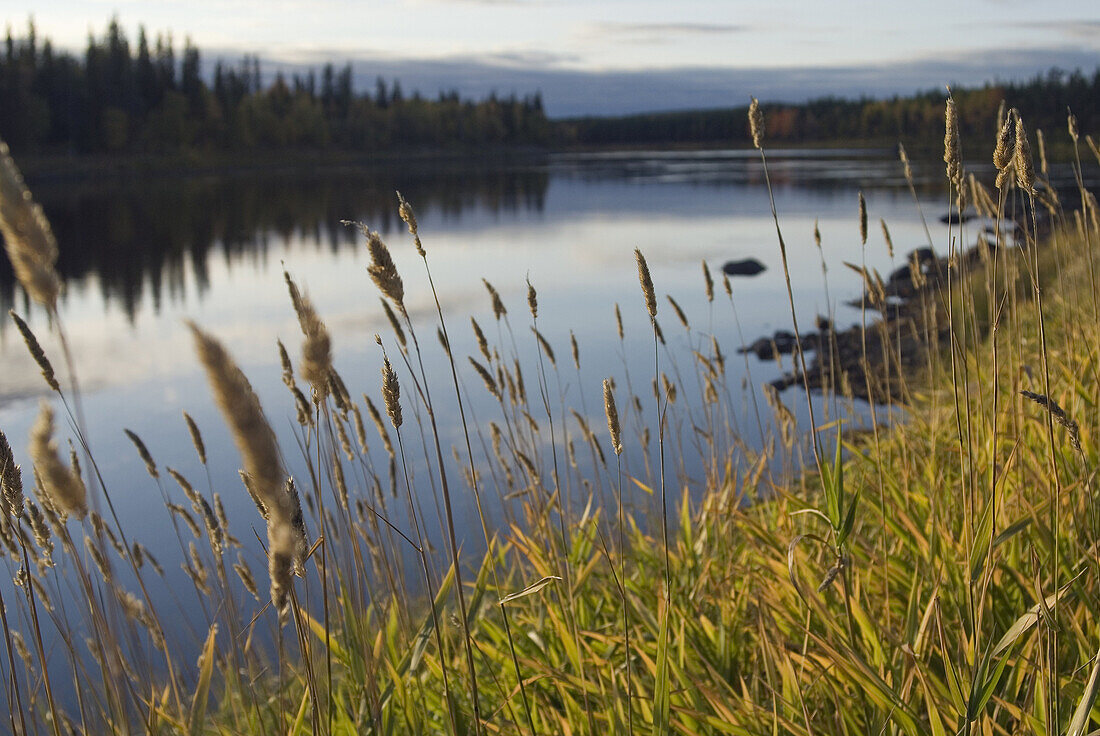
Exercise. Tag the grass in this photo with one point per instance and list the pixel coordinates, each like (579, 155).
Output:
(937, 575)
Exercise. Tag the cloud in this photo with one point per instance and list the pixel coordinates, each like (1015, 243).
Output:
(679, 29)
(1077, 30)
(653, 33)
(524, 59)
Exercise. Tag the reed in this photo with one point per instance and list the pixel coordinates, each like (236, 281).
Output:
(961, 599)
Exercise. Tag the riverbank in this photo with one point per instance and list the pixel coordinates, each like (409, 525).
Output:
(914, 584)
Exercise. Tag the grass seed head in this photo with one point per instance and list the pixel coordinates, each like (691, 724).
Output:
(907, 169)
(1059, 415)
(11, 481)
(498, 305)
(36, 352)
(28, 237)
(486, 378)
(545, 346)
(1002, 152)
(887, 238)
(482, 343)
(196, 437)
(679, 312)
(405, 210)
(379, 425)
(952, 148)
(383, 271)
(143, 452)
(862, 219)
(756, 123)
(64, 489)
(391, 392)
(316, 365)
(647, 284)
(612, 412)
(532, 300)
(1025, 169)
(240, 407)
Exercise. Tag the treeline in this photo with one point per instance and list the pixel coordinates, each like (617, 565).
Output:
(1042, 102)
(118, 99)
(121, 99)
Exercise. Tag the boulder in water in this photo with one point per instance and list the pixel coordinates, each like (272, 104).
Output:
(744, 267)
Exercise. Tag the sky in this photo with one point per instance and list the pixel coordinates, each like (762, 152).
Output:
(618, 56)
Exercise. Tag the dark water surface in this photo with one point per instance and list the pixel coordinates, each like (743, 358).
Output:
(141, 257)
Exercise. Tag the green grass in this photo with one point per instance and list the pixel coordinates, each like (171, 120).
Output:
(934, 576)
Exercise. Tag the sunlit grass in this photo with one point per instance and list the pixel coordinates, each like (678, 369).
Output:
(937, 574)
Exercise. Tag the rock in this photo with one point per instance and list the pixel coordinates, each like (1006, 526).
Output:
(952, 218)
(744, 267)
(782, 342)
(922, 255)
(901, 275)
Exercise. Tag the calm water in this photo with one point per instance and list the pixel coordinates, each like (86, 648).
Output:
(141, 257)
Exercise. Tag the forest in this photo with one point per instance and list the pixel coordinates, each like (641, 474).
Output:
(118, 99)
(917, 119)
(143, 98)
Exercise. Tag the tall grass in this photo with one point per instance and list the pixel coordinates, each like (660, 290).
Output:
(938, 576)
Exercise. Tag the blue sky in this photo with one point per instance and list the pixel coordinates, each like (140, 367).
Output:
(620, 55)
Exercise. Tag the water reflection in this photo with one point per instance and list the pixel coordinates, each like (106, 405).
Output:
(143, 237)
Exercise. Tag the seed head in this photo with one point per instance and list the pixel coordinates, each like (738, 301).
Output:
(612, 417)
(1002, 153)
(482, 342)
(143, 452)
(28, 237)
(391, 392)
(36, 352)
(63, 488)
(382, 269)
(679, 312)
(862, 219)
(904, 157)
(1025, 169)
(11, 482)
(316, 365)
(498, 305)
(196, 437)
(952, 148)
(532, 300)
(486, 378)
(889, 240)
(756, 123)
(405, 210)
(647, 284)
(544, 344)
(708, 282)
